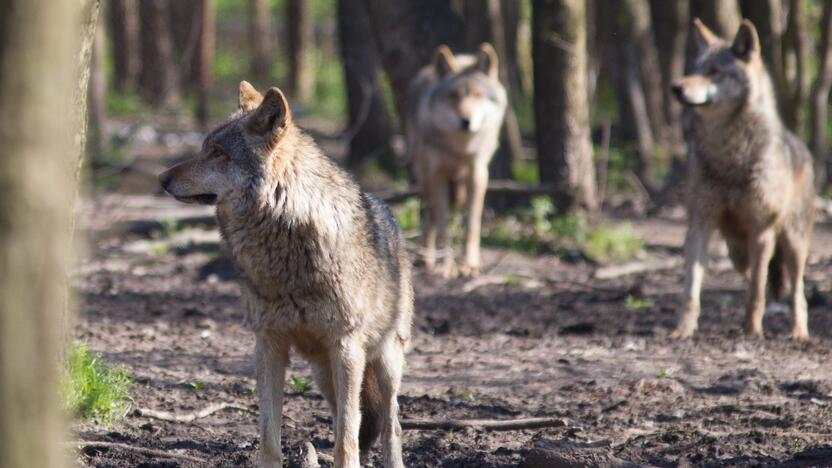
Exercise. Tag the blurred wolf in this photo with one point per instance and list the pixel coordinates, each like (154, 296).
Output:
(750, 178)
(452, 122)
(323, 271)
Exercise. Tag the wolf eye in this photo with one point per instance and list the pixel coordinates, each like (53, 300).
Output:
(216, 151)
(714, 71)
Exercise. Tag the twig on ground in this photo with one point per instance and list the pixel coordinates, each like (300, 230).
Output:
(143, 450)
(632, 268)
(189, 417)
(491, 424)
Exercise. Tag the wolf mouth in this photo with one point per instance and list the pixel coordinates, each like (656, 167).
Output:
(201, 199)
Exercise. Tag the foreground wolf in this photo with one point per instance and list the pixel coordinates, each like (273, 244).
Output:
(323, 271)
(455, 109)
(749, 177)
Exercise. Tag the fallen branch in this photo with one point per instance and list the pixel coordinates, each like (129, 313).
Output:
(143, 450)
(495, 186)
(632, 268)
(189, 417)
(490, 424)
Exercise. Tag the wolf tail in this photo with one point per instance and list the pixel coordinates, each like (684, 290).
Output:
(778, 275)
(371, 410)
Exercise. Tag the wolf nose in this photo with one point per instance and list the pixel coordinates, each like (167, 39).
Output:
(164, 179)
(677, 90)
(465, 124)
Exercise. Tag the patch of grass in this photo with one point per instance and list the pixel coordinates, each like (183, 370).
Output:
(160, 249)
(663, 374)
(525, 171)
(197, 385)
(92, 389)
(608, 243)
(407, 214)
(299, 384)
(330, 97)
(637, 303)
(170, 226)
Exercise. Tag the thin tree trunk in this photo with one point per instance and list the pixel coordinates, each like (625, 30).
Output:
(722, 16)
(158, 81)
(795, 89)
(301, 41)
(124, 37)
(670, 24)
(38, 83)
(97, 140)
(260, 38)
(561, 105)
(820, 97)
(512, 11)
(204, 59)
(767, 18)
(369, 128)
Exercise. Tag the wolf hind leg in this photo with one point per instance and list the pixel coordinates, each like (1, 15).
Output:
(761, 249)
(738, 253)
(795, 251)
(383, 407)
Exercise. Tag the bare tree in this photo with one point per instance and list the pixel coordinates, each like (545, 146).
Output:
(96, 144)
(561, 104)
(124, 37)
(300, 41)
(795, 71)
(204, 58)
(158, 81)
(260, 38)
(820, 96)
(370, 129)
(722, 16)
(670, 25)
(38, 58)
(767, 18)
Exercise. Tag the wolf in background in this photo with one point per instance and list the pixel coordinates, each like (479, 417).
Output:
(749, 177)
(323, 270)
(454, 113)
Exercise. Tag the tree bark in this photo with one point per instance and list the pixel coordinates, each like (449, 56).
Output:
(300, 41)
(97, 140)
(89, 20)
(369, 127)
(204, 59)
(124, 37)
(158, 81)
(670, 24)
(560, 105)
(38, 58)
(820, 97)
(795, 69)
(260, 37)
(767, 18)
(721, 16)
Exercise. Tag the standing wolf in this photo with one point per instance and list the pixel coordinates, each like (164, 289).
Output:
(749, 177)
(452, 121)
(323, 271)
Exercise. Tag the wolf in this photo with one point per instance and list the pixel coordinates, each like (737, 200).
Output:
(455, 108)
(749, 177)
(323, 271)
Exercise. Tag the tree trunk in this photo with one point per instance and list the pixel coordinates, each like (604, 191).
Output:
(260, 37)
(204, 59)
(97, 140)
(512, 11)
(301, 41)
(767, 18)
(370, 129)
(560, 105)
(158, 81)
(89, 20)
(721, 16)
(820, 97)
(795, 71)
(408, 32)
(124, 37)
(38, 58)
(670, 21)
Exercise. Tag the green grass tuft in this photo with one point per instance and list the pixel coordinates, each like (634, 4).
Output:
(407, 214)
(92, 389)
(299, 384)
(608, 243)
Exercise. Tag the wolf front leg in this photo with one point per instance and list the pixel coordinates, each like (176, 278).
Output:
(696, 261)
(272, 357)
(477, 186)
(388, 370)
(348, 360)
(761, 249)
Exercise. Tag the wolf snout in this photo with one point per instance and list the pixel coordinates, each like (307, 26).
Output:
(465, 123)
(677, 91)
(165, 179)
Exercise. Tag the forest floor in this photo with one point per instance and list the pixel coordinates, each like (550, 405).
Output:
(532, 336)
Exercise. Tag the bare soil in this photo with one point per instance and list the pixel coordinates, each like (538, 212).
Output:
(533, 336)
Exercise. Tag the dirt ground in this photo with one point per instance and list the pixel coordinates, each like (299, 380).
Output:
(533, 336)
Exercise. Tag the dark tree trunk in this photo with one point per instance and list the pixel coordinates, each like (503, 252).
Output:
(721, 16)
(512, 11)
(204, 59)
(561, 106)
(369, 128)
(795, 71)
(300, 41)
(670, 24)
(124, 37)
(260, 37)
(767, 18)
(158, 81)
(97, 141)
(820, 97)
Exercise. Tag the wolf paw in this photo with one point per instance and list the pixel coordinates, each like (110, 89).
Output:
(682, 332)
(753, 332)
(800, 335)
(469, 271)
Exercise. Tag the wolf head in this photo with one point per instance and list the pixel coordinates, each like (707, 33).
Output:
(239, 157)
(725, 76)
(468, 95)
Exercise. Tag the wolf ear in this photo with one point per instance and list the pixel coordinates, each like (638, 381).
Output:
(487, 61)
(703, 37)
(444, 61)
(272, 116)
(249, 98)
(746, 44)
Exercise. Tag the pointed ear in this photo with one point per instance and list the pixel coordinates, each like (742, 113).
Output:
(272, 116)
(487, 61)
(703, 37)
(444, 61)
(746, 44)
(249, 98)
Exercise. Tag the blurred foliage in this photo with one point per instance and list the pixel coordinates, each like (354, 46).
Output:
(610, 244)
(92, 389)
